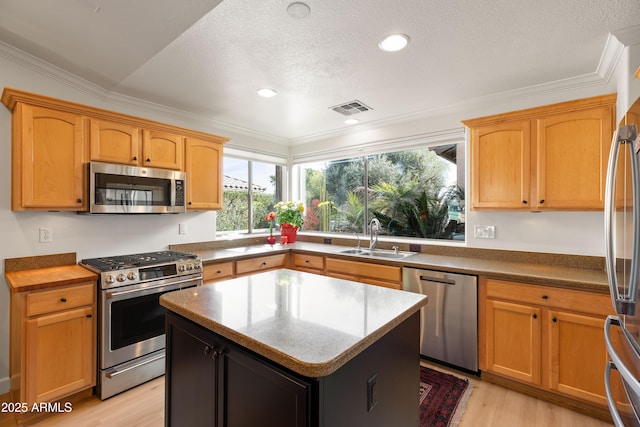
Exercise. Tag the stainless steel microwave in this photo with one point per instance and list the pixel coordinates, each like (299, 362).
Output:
(122, 189)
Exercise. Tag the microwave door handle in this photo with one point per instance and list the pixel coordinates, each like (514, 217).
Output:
(609, 210)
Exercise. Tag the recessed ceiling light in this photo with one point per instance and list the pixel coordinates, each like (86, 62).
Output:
(394, 42)
(298, 10)
(266, 92)
(351, 121)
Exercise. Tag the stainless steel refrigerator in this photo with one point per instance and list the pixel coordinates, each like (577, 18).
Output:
(622, 236)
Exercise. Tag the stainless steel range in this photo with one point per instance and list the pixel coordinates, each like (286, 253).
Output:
(131, 340)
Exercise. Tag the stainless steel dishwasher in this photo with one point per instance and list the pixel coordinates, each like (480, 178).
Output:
(449, 321)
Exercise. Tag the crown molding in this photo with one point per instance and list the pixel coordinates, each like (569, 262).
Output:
(601, 77)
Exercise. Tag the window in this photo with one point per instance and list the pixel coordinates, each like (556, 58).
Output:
(243, 210)
(414, 193)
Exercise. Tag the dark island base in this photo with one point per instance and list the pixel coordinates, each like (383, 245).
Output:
(211, 381)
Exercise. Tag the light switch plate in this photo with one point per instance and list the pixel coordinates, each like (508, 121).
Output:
(484, 232)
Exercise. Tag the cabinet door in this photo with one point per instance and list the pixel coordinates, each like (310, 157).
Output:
(162, 150)
(263, 263)
(572, 155)
(190, 374)
(49, 163)
(513, 340)
(257, 394)
(59, 354)
(500, 166)
(204, 174)
(115, 143)
(577, 355)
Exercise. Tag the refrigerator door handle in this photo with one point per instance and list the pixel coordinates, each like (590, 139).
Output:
(617, 419)
(624, 136)
(625, 373)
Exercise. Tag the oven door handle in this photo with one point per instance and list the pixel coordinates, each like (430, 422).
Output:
(116, 373)
(164, 285)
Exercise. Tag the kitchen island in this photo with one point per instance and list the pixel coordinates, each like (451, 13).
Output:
(290, 348)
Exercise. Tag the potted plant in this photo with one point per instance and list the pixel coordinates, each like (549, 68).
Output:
(289, 215)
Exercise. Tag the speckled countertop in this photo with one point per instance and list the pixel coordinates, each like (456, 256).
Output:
(308, 323)
(548, 269)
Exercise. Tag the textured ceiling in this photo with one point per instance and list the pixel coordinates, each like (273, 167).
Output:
(209, 57)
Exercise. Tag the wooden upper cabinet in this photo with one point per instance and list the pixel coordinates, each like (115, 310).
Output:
(203, 165)
(572, 156)
(115, 143)
(162, 150)
(53, 139)
(546, 158)
(47, 161)
(500, 165)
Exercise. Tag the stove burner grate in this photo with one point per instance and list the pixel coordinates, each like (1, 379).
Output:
(136, 260)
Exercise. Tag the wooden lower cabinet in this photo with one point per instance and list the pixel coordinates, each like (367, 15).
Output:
(308, 263)
(217, 271)
(513, 342)
(549, 338)
(53, 343)
(389, 276)
(262, 263)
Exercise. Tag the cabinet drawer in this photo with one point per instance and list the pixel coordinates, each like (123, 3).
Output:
(545, 296)
(308, 261)
(261, 263)
(60, 299)
(365, 269)
(219, 271)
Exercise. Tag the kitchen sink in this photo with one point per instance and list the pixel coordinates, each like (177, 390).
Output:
(377, 253)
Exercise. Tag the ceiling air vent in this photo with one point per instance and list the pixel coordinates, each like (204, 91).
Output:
(351, 108)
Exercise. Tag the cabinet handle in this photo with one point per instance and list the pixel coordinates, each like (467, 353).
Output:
(307, 261)
(63, 299)
(542, 201)
(554, 319)
(264, 263)
(207, 350)
(89, 316)
(135, 158)
(545, 296)
(189, 203)
(524, 202)
(218, 271)
(535, 316)
(215, 354)
(79, 200)
(148, 159)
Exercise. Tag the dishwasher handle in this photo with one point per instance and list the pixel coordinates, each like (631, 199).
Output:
(437, 280)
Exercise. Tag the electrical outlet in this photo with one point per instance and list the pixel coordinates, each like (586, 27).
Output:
(182, 228)
(46, 235)
(484, 232)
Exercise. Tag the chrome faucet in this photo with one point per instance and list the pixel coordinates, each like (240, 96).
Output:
(374, 227)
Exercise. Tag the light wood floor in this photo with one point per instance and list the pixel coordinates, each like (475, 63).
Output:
(489, 405)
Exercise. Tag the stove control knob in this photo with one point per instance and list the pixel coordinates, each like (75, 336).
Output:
(196, 266)
(109, 279)
(189, 266)
(121, 277)
(181, 267)
(131, 276)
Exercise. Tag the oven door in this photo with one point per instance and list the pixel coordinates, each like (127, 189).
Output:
(132, 319)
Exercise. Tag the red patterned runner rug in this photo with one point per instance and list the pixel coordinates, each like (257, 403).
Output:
(443, 398)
